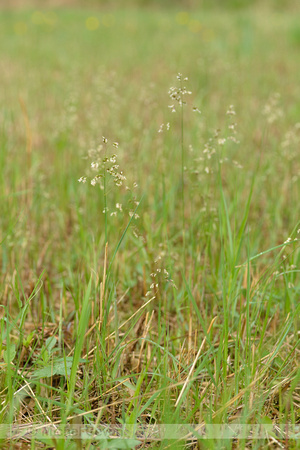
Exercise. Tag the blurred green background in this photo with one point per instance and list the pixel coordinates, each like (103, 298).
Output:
(276, 4)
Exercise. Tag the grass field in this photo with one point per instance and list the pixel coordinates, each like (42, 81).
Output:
(149, 192)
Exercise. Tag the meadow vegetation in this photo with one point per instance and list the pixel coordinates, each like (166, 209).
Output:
(149, 223)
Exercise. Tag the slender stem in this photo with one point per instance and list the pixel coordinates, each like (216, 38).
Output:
(182, 178)
(105, 197)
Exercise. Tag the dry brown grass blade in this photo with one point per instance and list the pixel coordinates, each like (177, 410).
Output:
(131, 317)
(146, 331)
(194, 363)
(97, 323)
(121, 326)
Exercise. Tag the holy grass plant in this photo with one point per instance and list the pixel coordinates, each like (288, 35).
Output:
(155, 302)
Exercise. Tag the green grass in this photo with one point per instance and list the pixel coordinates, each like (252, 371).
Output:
(190, 313)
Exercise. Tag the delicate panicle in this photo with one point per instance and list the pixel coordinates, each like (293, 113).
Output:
(104, 163)
(178, 93)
